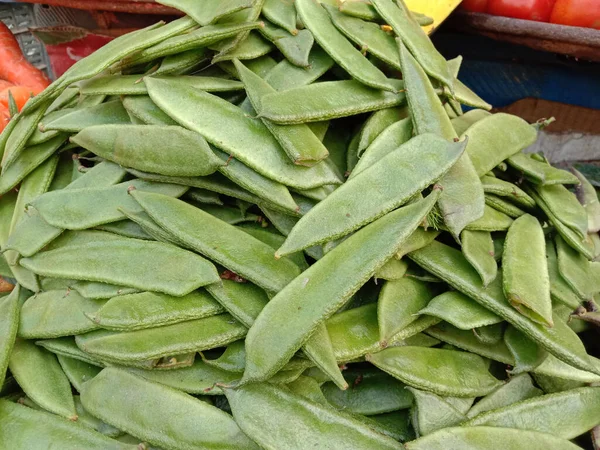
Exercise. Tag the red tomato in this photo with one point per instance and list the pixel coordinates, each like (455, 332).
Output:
(577, 13)
(538, 10)
(474, 5)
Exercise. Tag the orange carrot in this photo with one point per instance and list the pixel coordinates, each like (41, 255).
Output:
(20, 93)
(4, 117)
(13, 65)
(5, 84)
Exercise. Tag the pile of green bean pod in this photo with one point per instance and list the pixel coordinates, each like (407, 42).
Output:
(271, 224)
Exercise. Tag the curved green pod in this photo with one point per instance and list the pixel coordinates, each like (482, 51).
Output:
(117, 397)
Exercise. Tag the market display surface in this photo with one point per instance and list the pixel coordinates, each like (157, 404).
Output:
(270, 224)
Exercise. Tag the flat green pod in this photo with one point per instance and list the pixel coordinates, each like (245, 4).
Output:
(378, 122)
(587, 196)
(232, 359)
(361, 9)
(252, 47)
(145, 110)
(488, 438)
(116, 397)
(392, 270)
(354, 332)
(282, 14)
(462, 201)
(502, 188)
(565, 206)
(126, 228)
(117, 49)
(389, 183)
(230, 215)
(40, 376)
(468, 341)
(504, 206)
(559, 288)
(444, 372)
(274, 239)
(134, 263)
(244, 301)
(264, 412)
(566, 414)
(316, 19)
(152, 343)
(150, 309)
(199, 378)
(404, 24)
(463, 122)
(517, 389)
(460, 310)
(134, 85)
(449, 264)
(489, 334)
(25, 125)
(327, 100)
(322, 289)
(24, 427)
(478, 248)
(496, 138)
(419, 239)
(294, 47)
(10, 307)
(53, 314)
(86, 419)
(527, 354)
(77, 371)
(367, 35)
(555, 368)
(399, 304)
(267, 191)
(66, 346)
(225, 244)
(182, 63)
(525, 271)
(586, 246)
(227, 127)
(27, 161)
(143, 147)
(285, 75)
(79, 209)
(95, 290)
(540, 172)
(385, 143)
(103, 114)
(195, 39)
(492, 220)
(431, 413)
(299, 142)
(580, 274)
(371, 392)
